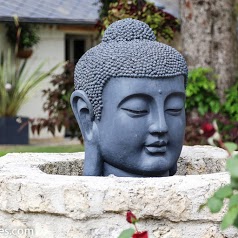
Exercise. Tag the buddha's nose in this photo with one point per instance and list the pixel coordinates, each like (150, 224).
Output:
(158, 124)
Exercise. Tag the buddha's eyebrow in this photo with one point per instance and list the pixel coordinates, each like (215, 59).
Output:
(177, 94)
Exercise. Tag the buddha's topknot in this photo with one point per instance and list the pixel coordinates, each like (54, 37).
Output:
(128, 30)
(128, 49)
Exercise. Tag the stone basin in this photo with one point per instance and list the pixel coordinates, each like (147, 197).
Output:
(46, 192)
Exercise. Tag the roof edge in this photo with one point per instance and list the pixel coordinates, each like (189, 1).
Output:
(49, 20)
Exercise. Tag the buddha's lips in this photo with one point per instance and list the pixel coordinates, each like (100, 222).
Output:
(156, 147)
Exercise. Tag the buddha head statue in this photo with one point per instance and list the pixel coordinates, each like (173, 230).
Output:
(129, 103)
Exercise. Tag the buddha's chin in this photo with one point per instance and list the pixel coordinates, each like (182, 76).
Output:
(111, 170)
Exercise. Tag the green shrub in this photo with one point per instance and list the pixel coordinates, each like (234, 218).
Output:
(23, 34)
(228, 128)
(230, 106)
(163, 24)
(201, 91)
(202, 99)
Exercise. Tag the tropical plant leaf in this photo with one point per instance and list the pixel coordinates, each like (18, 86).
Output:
(224, 192)
(127, 233)
(232, 167)
(235, 157)
(16, 82)
(229, 218)
(215, 204)
(231, 146)
(233, 201)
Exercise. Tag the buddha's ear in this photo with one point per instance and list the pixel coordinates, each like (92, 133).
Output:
(83, 112)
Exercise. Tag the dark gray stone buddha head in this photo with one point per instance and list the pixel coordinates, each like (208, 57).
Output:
(129, 103)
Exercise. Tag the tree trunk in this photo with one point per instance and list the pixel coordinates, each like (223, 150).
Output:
(209, 38)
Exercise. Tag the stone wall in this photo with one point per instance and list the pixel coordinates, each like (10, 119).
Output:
(209, 37)
(34, 196)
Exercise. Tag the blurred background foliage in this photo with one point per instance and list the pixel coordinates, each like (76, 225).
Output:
(163, 24)
(57, 106)
(203, 105)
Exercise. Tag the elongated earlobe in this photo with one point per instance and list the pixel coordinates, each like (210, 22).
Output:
(83, 111)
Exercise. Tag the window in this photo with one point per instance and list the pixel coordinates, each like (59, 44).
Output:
(76, 46)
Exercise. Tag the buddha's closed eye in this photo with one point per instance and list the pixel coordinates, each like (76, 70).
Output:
(135, 105)
(135, 112)
(174, 111)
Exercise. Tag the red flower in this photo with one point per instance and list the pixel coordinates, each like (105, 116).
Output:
(143, 234)
(208, 130)
(130, 217)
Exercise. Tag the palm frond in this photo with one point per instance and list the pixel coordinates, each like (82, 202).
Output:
(16, 82)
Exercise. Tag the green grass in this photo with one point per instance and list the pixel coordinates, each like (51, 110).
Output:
(40, 149)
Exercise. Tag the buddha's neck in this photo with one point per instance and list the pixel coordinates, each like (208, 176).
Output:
(109, 169)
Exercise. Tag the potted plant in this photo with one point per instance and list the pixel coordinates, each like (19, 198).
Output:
(15, 84)
(22, 36)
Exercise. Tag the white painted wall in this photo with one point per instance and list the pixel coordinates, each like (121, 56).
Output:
(50, 50)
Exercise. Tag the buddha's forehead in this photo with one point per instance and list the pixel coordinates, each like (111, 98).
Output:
(122, 87)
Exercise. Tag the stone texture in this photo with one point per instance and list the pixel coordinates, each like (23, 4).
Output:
(209, 37)
(201, 160)
(77, 206)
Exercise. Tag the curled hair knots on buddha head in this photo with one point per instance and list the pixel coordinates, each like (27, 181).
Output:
(128, 49)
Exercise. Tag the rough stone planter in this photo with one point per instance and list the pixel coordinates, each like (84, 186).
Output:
(46, 193)
(14, 130)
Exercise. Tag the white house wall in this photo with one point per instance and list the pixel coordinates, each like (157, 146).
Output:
(51, 50)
